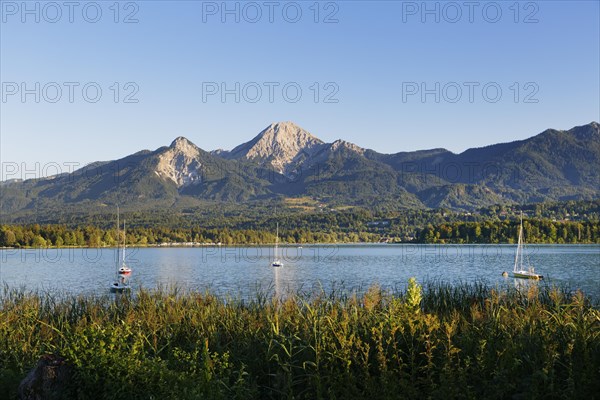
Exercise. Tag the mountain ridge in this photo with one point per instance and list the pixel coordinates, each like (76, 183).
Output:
(284, 160)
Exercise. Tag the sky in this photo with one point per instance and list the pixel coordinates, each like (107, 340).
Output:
(89, 81)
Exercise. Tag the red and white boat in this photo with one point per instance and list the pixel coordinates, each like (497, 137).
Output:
(121, 283)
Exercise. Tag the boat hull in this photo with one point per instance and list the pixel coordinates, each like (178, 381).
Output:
(119, 288)
(527, 275)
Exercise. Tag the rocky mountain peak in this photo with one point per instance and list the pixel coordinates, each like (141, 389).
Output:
(180, 162)
(281, 145)
(344, 145)
(284, 137)
(183, 144)
(595, 127)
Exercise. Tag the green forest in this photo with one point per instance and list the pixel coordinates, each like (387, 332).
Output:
(559, 222)
(536, 231)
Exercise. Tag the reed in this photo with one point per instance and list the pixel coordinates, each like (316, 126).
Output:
(435, 341)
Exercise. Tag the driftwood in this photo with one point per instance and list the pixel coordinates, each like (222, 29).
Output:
(48, 380)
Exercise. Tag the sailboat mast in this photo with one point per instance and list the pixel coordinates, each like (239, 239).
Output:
(124, 240)
(521, 242)
(519, 250)
(118, 239)
(276, 240)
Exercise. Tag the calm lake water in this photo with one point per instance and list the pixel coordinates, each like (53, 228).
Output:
(240, 271)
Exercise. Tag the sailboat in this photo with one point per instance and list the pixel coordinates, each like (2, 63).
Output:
(276, 261)
(121, 282)
(124, 269)
(519, 270)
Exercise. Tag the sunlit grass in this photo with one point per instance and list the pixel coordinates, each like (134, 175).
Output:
(439, 341)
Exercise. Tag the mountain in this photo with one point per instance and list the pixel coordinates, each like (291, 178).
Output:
(286, 161)
(181, 163)
(282, 146)
(144, 180)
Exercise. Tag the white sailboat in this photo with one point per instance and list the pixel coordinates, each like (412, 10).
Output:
(121, 282)
(276, 261)
(519, 269)
(124, 269)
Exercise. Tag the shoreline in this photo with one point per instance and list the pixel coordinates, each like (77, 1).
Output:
(378, 244)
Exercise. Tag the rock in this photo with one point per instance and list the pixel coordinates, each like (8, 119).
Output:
(181, 162)
(282, 146)
(49, 379)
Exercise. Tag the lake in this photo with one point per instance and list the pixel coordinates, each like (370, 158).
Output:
(240, 271)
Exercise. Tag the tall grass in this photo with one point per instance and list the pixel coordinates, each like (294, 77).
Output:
(440, 341)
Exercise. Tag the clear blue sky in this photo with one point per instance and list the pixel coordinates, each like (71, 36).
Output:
(373, 56)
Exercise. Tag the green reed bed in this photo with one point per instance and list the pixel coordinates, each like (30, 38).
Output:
(440, 341)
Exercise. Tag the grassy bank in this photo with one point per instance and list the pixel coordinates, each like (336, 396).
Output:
(439, 341)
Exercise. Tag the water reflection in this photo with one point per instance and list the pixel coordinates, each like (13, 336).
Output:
(524, 286)
(277, 283)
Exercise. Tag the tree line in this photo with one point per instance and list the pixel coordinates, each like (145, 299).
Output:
(60, 235)
(489, 231)
(535, 231)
